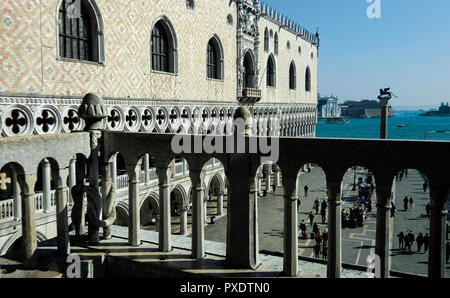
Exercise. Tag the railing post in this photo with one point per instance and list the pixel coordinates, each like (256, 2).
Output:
(290, 243)
(438, 230)
(383, 231)
(334, 190)
(62, 221)
(29, 237)
(17, 198)
(198, 229)
(46, 185)
(72, 177)
(134, 229)
(164, 205)
(113, 166)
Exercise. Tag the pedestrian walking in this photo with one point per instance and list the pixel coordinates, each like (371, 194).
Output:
(426, 243)
(325, 238)
(323, 211)
(317, 205)
(303, 228)
(425, 186)
(405, 203)
(393, 209)
(412, 239)
(419, 242)
(411, 203)
(325, 252)
(407, 243)
(274, 187)
(317, 251)
(311, 218)
(315, 228)
(306, 190)
(401, 240)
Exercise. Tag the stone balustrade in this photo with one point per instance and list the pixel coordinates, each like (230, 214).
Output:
(384, 158)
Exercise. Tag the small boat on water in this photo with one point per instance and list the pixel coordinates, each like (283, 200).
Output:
(337, 120)
(401, 125)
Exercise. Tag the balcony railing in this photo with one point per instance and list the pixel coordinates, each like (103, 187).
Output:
(384, 158)
(251, 95)
(7, 209)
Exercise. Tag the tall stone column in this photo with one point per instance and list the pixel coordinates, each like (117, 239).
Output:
(184, 220)
(72, 177)
(164, 211)
(290, 243)
(268, 177)
(147, 168)
(46, 185)
(220, 203)
(334, 191)
(242, 236)
(134, 227)
(17, 197)
(198, 229)
(438, 230)
(29, 236)
(113, 166)
(383, 231)
(62, 220)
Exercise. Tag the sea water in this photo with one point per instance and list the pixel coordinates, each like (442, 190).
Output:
(415, 127)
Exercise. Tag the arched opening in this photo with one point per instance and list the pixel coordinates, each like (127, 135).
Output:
(276, 43)
(266, 40)
(271, 71)
(214, 59)
(249, 70)
(292, 76)
(308, 80)
(122, 216)
(80, 31)
(149, 213)
(164, 47)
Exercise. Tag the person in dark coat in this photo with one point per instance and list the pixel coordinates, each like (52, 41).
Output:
(303, 228)
(419, 242)
(315, 228)
(411, 237)
(411, 203)
(426, 243)
(425, 186)
(405, 203)
(401, 241)
(311, 218)
(428, 209)
(306, 190)
(317, 205)
(325, 252)
(323, 211)
(393, 209)
(317, 251)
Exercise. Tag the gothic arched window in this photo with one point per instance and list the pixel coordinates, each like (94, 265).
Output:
(271, 71)
(78, 37)
(214, 59)
(266, 40)
(308, 80)
(292, 76)
(276, 43)
(164, 53)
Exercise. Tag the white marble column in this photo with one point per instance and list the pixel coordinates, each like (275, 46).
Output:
(134, 227)
(220, 203)
(113, 165)
(290, 243)
(164, 212)
(46, 186)
(147, 168)
(184, 220)
(334, 191)
(17, 198)
(198, 229)
(62, 219)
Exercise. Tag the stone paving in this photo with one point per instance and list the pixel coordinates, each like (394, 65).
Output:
(358, 243)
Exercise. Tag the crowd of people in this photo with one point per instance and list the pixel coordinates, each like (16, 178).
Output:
(357, 215)
(407, 242)
(321, 239)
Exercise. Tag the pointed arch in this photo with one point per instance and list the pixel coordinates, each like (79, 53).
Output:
(266, 40)
(164, 50)
(308, 79)
(276, 43)
(214, 59)
(271, 71)
(292, 76)
(86, 43)
(249, 66)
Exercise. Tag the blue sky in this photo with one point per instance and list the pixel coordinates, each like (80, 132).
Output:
(407, 49)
